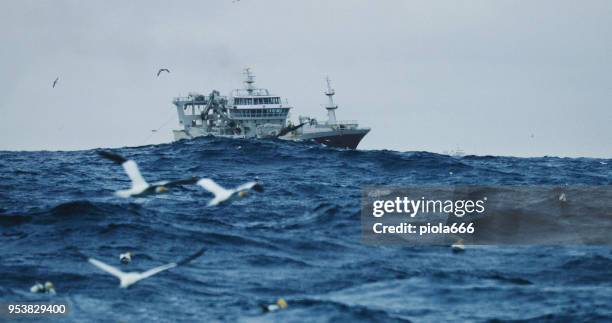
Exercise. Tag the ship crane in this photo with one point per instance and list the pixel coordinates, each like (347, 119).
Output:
(217, 104)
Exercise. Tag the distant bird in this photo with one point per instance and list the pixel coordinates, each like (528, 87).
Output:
(140, 187)
(223, 195)
(47, 288)
(280, 304)
(125, 258)
(55, 82)
(458, 246)
(163, 70)
(130, 278)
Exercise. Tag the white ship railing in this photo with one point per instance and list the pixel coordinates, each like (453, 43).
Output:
(342, 122)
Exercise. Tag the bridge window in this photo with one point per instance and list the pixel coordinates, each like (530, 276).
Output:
(257, 101)
(259, 113)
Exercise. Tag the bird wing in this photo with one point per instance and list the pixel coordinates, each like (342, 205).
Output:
(131, 169)
(192, 257)
(246, 186)
(118, 159)
(250, 185)
(107, 268)
(210, 185)
(156, 270)
(186, 181)
(159, 72)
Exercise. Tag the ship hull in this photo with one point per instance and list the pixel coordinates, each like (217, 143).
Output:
(340, 139)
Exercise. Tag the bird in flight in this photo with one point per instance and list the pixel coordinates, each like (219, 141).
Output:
(127, 279)
(163, 70)
(458, 246)
(140, 187)
(55, 82)
(223, 195)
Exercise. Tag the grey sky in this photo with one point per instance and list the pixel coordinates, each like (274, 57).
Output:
(424, 75)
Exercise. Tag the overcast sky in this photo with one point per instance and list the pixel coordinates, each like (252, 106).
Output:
(483, 76)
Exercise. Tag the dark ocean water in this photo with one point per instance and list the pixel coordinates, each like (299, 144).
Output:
(300, 239)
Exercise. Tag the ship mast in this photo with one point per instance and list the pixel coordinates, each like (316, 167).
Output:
(331, 107)
(250, 79)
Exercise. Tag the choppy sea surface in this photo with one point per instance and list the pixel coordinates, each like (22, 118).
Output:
(300, 239)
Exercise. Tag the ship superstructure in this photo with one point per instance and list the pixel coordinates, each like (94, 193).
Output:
(332, 132)
(254, 112)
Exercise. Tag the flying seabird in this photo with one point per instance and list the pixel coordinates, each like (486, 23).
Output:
(55, 82)
(139, 185)
(162, 70)
(125, 258)
(47, 288)
(225, 195)
(458, 246)
(279, 305)
(130, 278)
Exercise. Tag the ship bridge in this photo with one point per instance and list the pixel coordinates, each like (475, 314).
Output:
(251, 103)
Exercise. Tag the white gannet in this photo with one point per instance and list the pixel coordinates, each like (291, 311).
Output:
(279, 305)
(458, 246)
(125, 258)
(130, 278)
(47, 288)
(139, 185)
(223, 195)
(55, 82)
(163, 70)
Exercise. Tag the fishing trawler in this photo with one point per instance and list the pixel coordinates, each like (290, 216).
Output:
(256, 113)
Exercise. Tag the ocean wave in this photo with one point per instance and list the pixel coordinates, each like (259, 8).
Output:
(299, 239)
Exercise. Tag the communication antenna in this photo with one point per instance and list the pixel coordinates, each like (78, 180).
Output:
(250, 79)
(331, 107)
